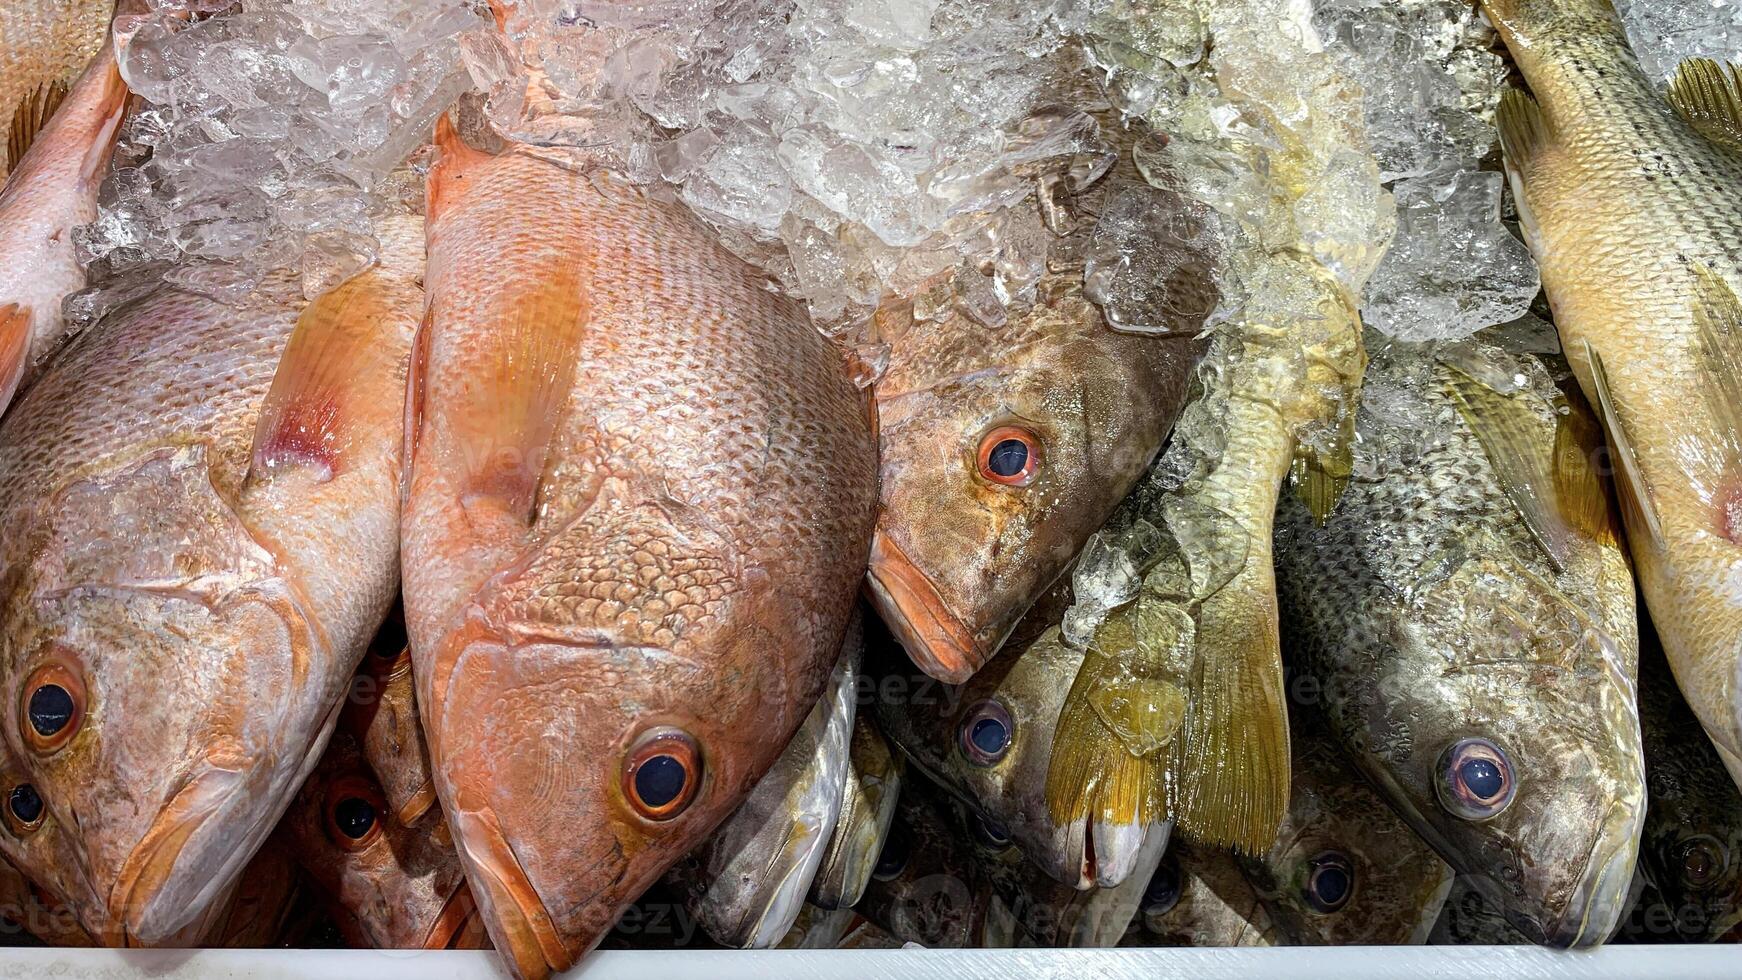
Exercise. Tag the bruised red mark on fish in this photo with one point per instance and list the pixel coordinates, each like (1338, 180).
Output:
(1728, 502)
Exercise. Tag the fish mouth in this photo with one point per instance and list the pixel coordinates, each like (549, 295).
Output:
(458, 919)
(165, 883)
(513, 912)
(1599, 897)
(1085, 854)
(936, 639)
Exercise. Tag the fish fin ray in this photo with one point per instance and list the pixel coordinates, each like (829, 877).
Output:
(1231, 765)
(1708, 96)
(14, 345)
(526, 378)
(1551, 482)
(1718, 324)
(336, 378)
(1635, 494)
(32, 114)
(455, 167)
(1525, 132)
(1320, 473)
(1093, 772)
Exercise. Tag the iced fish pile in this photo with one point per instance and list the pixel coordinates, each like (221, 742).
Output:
(545, 475)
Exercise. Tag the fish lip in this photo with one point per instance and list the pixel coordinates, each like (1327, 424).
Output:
(936, 639)
(514, 913)
(146, 900)
(1599, 898)
(460, 910)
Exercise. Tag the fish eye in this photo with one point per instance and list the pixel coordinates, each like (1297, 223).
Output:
(892, 860)
(1474, 779)
(1700, 861)
(24, 808)
(353, 809)
(662, 772)
(1330, 881)
(989, 832)
(986, 733)
(1009, 455)
(53, 706)
(1162, 893)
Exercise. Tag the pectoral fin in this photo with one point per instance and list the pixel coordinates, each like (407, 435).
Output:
(339, 389)
(1709, 96)
(1548, 476)
(1634, 492)
(32, 114)
(14, 345)
(1525, 133)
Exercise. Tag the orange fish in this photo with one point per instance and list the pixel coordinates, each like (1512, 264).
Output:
(640, 503)
(51, 190)
(199, 531)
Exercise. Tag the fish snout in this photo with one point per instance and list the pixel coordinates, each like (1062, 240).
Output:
(187, 857)
(1599, 897)
(935, 637)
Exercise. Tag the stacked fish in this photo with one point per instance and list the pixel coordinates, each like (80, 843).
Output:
(508, 592)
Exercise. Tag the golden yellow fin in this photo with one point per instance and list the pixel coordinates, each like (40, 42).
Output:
(33, 112)
(14, 344)
(1230, 766)
(1321, 469)
(1718, 322)
(1709, 96)
(1109, 749)
(1524, 131)
(340, 379)
(1630, 482)
(1546, 474)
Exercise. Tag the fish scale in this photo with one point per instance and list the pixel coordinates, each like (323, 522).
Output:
(1378, 607)
(641, 495)
(1626, 207)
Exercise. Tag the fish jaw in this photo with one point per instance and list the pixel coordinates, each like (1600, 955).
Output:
(165, 876)
(939, 642)
(1600, 897)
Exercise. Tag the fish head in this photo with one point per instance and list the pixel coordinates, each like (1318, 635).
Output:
(1504, 728)
(1001, 453)
(577, 762)
(989, 742)
(158, 673)
(1198, 897)
(400, 886)
(1345, 869)
(1692, 854)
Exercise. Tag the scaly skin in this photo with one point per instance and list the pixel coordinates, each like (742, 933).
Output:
(958, 558)
(42, 43)
(186, 548)
(641, 499)
(1425, 613)
(1396, 884)
(52, 190)
(1624, 202)
(1199, 897)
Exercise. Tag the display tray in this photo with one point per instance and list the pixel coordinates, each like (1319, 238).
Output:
(1280, 963)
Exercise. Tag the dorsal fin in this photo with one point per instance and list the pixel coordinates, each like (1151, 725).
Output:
(1709, 96)
(33, 112)
(1550, 478)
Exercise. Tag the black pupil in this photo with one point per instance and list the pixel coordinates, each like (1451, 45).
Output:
(1482, 778)
(659, 780)
(25, 804)
(989, 736)
(51, 707)
(1697, 864)
(1331, 885)
(1163, 890)
(354, 816)
(1008, 458)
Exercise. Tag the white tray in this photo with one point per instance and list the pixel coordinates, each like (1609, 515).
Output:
(1284, 963)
